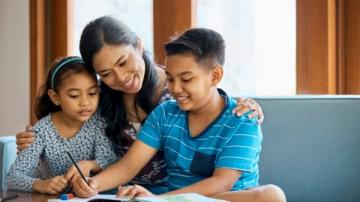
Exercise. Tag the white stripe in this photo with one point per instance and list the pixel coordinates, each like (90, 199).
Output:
(235, 157)
(181, 142)
(174, 185)
(157, 139)
(247, 135)
(148, 122)
(236, 168)
(212, 148)
(181, 175)
(176, 126)
(176, 115)
(177, 153)
(228, 126)
(162, 107)
(240, 146)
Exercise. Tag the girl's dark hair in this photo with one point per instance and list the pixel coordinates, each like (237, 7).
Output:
(108, 30)
(58, 72)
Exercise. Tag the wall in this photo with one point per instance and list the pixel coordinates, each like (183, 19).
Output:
(14, 66)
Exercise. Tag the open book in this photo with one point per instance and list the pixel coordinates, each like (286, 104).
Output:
(189, 197)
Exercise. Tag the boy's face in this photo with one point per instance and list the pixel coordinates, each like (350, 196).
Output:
(190, 83)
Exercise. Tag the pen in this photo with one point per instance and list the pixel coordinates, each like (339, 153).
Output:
(77, 168)
(9, 197)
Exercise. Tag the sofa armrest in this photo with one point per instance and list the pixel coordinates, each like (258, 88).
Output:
(7, 157)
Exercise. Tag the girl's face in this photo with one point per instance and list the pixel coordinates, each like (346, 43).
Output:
(78, 96)
(121, 67)
(189, 82)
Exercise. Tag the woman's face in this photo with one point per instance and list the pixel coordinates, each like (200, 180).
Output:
(121, 67)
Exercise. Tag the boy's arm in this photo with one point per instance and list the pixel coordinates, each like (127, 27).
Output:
(222, 180)
(126, 168)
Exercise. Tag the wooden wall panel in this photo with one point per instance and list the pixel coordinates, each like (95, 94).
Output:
(171, 17)
(61, 28)
(316, 47)
(352, 46)
(50, 38)
(37, 50)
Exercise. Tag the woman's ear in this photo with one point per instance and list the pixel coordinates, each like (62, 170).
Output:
(217, 74)
(54, 97)
(140, 45)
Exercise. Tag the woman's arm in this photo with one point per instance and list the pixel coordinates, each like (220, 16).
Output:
(25, 138)
(246, 104)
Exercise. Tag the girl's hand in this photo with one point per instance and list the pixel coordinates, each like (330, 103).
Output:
(245, 105)
(50, 186)
(81, 189)
(25, 138)
(133, 191)
(85, 166)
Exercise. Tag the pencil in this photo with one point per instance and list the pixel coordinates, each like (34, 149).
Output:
(77, 168)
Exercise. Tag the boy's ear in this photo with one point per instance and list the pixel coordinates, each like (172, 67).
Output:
(217, 74)
(54, 97)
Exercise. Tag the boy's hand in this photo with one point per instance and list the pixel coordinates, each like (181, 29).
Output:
(25, 138)
(81, 188)
(133, 191)
(245, 105)
(85, 166)
(50, 186)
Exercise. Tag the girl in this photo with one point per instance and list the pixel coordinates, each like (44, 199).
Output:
(67, 122)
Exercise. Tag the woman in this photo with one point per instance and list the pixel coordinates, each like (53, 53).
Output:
(131, 86)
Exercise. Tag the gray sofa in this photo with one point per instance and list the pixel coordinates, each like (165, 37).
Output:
(311, 147)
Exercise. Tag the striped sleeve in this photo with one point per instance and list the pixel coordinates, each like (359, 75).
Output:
(150, 132)
(241, 152)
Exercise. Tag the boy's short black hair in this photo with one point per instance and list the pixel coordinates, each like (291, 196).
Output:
(206, 45)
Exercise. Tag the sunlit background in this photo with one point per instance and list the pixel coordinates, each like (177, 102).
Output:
(259, 34)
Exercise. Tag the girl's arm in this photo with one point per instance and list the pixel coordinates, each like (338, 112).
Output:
(20, 176)
(118, 173)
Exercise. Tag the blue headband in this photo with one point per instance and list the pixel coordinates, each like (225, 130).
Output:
(62, 64)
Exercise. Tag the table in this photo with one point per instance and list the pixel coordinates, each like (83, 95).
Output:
(28, 197)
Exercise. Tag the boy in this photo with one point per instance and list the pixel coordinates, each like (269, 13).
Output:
(208, 150)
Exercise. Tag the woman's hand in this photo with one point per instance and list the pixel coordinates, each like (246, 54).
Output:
(50, 186)
(246, 104)
(133, 191)
(85, 166)
(25, 138)
(82, 189)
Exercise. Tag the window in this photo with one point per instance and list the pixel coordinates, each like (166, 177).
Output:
(260, 44)
(137, 14)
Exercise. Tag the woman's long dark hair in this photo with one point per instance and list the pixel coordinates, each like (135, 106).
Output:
(108, 30)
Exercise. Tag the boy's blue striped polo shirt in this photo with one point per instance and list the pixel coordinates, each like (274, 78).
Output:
(228, 142)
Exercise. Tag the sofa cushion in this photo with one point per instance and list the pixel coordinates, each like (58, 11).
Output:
(7, 157)
(311, 147)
